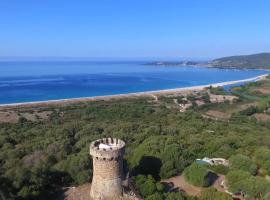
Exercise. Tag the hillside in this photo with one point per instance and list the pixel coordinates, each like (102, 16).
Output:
(261, 61)
(254, 61)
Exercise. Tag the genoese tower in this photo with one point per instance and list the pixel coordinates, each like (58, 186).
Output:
(107, 156)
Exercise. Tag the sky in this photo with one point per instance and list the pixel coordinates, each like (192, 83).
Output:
(134, 28)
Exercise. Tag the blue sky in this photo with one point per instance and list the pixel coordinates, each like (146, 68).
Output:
(134, 28)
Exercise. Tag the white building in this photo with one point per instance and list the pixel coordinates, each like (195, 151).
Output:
(213, 161)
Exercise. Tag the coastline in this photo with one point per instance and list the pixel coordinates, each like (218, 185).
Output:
(129, 95)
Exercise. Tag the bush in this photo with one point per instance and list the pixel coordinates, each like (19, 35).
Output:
(78, 167)
(219, 169)
(174, 196)
(262, 157)
(217, 90)
(263, 104)
(169, 138)
(196, 174)
(236, 178)
(267, 196)
(252, 187)
(146, 185)
(249, 111)
(213, 194)
(160, 156)
(155, 196)
(242, 162)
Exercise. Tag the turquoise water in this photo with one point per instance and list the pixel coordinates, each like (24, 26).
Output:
(40, 81)
(201, 162)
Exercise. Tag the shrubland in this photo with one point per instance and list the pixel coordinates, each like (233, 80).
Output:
(39, 157)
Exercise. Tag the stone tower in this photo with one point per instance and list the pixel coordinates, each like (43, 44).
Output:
(107, 156)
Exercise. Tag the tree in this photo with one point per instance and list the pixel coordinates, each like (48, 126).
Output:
(174, 196)
(145, 184)
(267, 196)
(239, 181)
(78, 167)
(243, 162)
(213, 194)
(155, 196)
(262, 187)
(262, 157)
(252, 187)
(219, 169)
(168, 139)
(196, 174)
(249, 111)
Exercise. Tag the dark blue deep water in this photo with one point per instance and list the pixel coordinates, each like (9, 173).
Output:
(51, 80)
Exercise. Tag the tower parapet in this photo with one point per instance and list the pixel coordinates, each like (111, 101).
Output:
(107, 156)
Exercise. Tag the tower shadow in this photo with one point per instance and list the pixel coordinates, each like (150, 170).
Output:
(211, 177)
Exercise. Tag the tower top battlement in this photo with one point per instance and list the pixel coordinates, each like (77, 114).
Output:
(107, 148)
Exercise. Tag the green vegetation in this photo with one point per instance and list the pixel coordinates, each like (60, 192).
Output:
(37, 158)
(150, 189)
(213, 194)
(261, 61)
(161, 156)
(219, 169)
(197, 174)
(147, 185)
(217, 90)
(253, 187)
(262, 156)
(241, 162)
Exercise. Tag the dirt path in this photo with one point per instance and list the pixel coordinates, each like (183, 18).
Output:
(74, 193)
(216, 114)
(179, 182)
(262, 117)
(217, 183)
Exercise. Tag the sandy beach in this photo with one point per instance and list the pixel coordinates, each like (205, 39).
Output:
(130, 95)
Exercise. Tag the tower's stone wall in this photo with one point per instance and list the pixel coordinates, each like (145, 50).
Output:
(107, 156)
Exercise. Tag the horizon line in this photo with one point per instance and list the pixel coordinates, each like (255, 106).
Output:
(86, 58)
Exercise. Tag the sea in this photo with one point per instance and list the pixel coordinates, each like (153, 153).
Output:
(32, 81)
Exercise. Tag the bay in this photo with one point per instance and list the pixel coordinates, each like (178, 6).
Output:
(30, 81)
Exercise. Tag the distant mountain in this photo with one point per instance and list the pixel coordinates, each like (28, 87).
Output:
(174, 63)
(254, 61)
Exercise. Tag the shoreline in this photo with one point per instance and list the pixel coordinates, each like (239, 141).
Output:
(129, 95)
